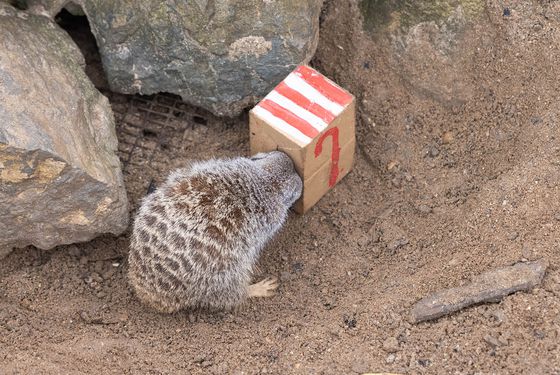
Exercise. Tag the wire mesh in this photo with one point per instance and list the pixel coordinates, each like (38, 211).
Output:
(160, 132)
(148, 125)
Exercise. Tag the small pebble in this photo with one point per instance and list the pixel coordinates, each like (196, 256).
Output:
(503, 341)
(449, 162)
(11, 324)
(350, 321)
(390, 359)
(425, 209)
(329, 303)
(392, 165)
(537, 26)
(89, 319)
(498, 315)
(433, 152)
(192, 318)
(363, 240)
(397, 244)
(98, 266)
(108, 274)
(535, 120)
(492, 341)
(96, 277)
(453, 262)
(123, 317)
(447, 138)
(391, 345)
(297, 267)
(512, 236)
(408, 177)
(199, 358)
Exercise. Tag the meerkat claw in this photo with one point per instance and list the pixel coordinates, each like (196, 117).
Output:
(264, 288)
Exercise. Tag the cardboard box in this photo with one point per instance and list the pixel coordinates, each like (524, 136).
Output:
(311, 119)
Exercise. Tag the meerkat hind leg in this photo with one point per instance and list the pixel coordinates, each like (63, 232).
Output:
(264, 288)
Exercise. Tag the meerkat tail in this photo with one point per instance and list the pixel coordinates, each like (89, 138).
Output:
(264, 288)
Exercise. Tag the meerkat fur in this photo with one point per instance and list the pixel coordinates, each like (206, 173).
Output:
(197, 238)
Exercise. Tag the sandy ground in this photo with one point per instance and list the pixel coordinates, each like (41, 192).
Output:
(442, 190)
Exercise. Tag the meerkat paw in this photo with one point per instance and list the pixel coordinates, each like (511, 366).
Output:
(264, 288)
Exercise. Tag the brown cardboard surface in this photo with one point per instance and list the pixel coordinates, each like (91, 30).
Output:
(264, 138)
(345, 122)
(316, 186)
(315, 170)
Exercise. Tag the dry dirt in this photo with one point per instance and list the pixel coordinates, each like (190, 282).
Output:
(441, 191)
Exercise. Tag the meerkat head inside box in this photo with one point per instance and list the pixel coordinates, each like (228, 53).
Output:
(311, 119)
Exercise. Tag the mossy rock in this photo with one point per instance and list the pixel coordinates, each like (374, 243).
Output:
(223, 55)
(394, 15)
(60, 177)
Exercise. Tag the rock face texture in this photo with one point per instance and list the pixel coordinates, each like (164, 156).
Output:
(60, 179)
(429, 40)
(222, 55)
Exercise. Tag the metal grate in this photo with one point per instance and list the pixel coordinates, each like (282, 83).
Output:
(148, 125)
(153, 131)
(158, 133)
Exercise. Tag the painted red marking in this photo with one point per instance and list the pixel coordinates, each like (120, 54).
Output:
(305, 103)
(335, 154)
(321, 84)
(286, 115)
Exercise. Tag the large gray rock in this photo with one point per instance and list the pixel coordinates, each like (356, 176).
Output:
(430, 45)
(428, 54)
(222, 55)
(60, 179)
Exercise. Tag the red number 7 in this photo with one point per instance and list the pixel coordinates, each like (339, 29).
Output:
(335, 155)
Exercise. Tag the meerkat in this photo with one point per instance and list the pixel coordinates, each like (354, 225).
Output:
(197, 238)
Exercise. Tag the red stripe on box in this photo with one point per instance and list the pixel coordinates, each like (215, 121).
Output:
(305, 103)
(324, 86)
(293, 120)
